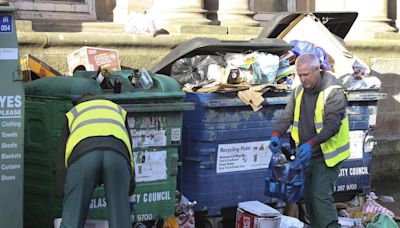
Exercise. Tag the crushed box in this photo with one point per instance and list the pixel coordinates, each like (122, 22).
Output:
(254, 214)
(92, 59)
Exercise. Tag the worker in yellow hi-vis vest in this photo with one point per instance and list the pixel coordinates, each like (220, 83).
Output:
(320, 129)
(98, 150)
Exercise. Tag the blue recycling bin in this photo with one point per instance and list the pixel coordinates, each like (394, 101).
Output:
(225, 155)
(355, 172)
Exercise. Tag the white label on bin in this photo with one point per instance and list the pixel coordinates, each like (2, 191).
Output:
(148, 138)
(150, 166)
(356, 144)
(8, 53)
(372, 120)
(243, 156)
(175, 134)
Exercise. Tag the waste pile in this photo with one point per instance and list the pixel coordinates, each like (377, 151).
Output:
(253, 73)
(365, 211)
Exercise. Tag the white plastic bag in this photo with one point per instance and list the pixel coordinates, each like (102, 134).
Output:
(290, 222)
(139, 23)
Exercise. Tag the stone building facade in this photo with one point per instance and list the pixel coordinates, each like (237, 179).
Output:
(374, 38)
(374, 15)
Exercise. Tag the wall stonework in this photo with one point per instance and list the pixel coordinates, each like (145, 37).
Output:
(84, 10)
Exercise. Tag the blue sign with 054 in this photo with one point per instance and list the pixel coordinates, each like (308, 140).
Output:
(6, 22)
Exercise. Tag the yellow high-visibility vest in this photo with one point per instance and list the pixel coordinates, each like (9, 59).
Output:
(337, 148)
(96, 118)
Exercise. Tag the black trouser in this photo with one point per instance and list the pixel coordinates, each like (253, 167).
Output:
(318, 189)
(98, 166)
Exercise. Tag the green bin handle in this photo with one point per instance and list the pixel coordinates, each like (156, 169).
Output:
(159, 107)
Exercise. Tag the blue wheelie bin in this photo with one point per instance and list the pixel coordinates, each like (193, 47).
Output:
(224, 151)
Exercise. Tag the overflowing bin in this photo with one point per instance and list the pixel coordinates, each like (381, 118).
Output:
(225, 152)
(225, 155)
(155, 121)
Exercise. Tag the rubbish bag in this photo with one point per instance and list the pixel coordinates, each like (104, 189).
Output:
(371, 206)
(301, 47)
(194, 69)
(290, 222)
(262, 66)
(139, 23)
(284, 181)
(382, 220)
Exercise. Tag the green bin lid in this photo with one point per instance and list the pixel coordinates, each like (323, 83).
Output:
(62, 86)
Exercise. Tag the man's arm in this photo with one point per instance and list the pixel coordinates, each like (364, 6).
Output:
(335, 109)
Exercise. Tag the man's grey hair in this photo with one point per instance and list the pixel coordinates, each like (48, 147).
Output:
(311, 59)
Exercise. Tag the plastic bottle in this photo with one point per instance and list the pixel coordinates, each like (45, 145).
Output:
(145, 79)
(135, 78)
(117, 85)
(280, 158)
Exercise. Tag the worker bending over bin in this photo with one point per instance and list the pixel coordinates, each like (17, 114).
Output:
(98, 150)
(320, 128)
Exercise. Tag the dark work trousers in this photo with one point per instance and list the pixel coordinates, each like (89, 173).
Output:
(318, 189)
(98, 166)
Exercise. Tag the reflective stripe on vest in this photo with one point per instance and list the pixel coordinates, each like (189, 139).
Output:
(86, 118)
(337, 148)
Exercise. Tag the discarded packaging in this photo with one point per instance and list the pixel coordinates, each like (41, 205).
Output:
(93, 59)
(350, 222)
(33, 68)
(290, 222)
(371, 206)
(382, 220)
(254, 214)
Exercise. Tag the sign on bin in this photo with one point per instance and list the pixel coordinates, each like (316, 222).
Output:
(150, 166)
(12, 106)
(243, 156)
(356, 144)
(6, 23)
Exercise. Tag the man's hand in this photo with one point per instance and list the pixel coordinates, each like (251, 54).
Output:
(304, 152)
(275, 144)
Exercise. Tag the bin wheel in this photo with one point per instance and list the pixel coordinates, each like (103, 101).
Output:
(139, 225)
(208, 224)
(213, 222)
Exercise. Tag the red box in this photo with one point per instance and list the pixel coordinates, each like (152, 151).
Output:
(254, 214)
(92, 58)
(244, 219)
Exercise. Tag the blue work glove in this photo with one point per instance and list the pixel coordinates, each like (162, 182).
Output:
(275, 144)
(304, 153)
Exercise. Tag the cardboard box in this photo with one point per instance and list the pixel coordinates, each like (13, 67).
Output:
(92, 59)
(254, 214)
